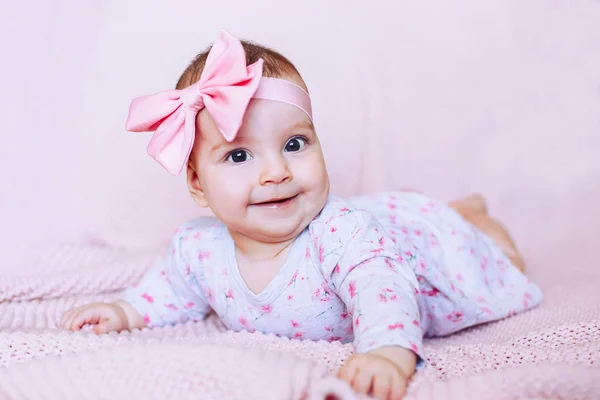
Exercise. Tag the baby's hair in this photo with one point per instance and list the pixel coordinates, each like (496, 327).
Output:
(275, 64)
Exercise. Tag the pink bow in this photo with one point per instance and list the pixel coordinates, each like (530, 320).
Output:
(225, 89)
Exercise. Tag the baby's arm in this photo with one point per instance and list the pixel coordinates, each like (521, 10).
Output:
(168, 294)
(378, 287)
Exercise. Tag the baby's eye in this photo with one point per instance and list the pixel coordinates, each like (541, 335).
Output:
(295, 144)
(238, 156)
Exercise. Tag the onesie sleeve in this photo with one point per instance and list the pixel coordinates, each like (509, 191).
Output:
(170, 292)
(377, 285)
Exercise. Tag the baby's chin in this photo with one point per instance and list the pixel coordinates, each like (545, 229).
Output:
(273, 231)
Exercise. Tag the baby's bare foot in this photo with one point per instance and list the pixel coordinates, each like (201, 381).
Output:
(474, 203)
(474, 209)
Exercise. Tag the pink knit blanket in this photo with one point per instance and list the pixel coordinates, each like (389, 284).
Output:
(552, 352)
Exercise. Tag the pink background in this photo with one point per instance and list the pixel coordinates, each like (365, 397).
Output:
(501, 97)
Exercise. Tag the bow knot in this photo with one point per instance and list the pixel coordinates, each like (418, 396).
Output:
(191, 97)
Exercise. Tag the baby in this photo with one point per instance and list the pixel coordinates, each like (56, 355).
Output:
(283, 256)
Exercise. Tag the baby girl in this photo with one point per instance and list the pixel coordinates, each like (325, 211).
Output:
(282, 256)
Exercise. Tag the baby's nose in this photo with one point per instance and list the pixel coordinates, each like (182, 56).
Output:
(275, 170)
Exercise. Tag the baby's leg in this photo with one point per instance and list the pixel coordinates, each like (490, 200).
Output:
(474, 210)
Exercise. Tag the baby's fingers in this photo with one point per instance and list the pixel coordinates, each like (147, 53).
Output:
(398, 387)
(382, 385)
(363, 378)
(346, 373)
(88, 315)
(66, 317)
(108, 325)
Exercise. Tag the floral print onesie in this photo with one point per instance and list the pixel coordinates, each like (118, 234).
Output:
(381, 270)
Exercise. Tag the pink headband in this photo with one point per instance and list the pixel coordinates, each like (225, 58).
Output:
(225, 89)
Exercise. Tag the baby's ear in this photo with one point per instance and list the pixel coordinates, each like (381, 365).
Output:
(193, 182)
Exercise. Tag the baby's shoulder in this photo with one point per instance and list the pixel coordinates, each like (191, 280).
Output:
(198, 233)
(340, 217)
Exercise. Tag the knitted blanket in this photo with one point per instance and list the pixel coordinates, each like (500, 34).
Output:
(552, 352)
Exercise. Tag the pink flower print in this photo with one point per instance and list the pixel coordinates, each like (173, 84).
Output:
(243, 321)
(487, 310)
(344, 209)
(459, 277)
(344, 315)
(430, 293)
(290, 296)
(337, 269)
(189, 305)
(147, 319)
(229, 294)
(171, 307)
(357, 321)
(147, 297)
(455, 316)
(416, 323)
(389, 264)
(188, 270)
(528, 296)
(321, 252)
(198, 235)
(387, 294)
(204, 255)
(400, 259)
(482, 265)
(298, 335)
(266, 309)
(414, 347)
(333, 229)
(210, 296)
(418, 233)
(293, 280)
(480, 299)
(329, 329)
(422, 266)
(381, 241)
(352, 289)
(395, 326)
(472, 251)
(295, 323)
(188, 228)
(405, 230)
(224, 272)
(391, 206)
(393, 219)
(334, 339)
(307, 254)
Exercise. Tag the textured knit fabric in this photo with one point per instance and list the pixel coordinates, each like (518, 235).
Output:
(382, 274)
(551, 352)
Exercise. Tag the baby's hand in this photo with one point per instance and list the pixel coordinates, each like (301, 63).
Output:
(106, 317)
(382, 373)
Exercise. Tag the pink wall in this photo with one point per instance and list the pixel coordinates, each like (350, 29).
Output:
(501, 97)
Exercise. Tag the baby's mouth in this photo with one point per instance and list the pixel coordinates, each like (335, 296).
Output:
(276, 203)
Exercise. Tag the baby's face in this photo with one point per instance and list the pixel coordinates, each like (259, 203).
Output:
(271, 181)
